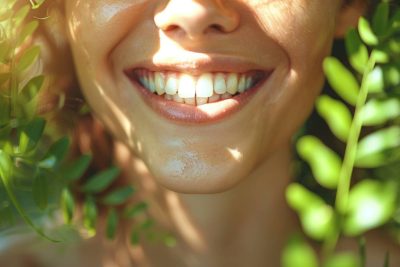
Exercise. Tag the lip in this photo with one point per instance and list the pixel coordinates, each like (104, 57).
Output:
(207, 113)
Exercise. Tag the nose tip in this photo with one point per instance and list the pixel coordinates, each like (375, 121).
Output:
(196, 18)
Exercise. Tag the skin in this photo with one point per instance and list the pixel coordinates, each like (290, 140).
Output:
(244, 159)
(287, 37)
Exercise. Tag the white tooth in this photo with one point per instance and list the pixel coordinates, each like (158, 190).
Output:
(152, 85)
(231, 83)
(201, 100)
(190, 101)
(146, 81)
(242, 84)
(177, 98)
(214, 98)
(168, 97)
(204, 86)
(226, 96)
(187, 86)
(249, 82)
(219, 84)
(159, 82)
(171, 87)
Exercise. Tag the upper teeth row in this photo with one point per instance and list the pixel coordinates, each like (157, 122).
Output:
(188, 86)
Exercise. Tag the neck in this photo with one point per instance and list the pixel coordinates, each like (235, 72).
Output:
(245, 226)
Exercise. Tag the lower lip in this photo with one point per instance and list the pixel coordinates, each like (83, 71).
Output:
(206, 113)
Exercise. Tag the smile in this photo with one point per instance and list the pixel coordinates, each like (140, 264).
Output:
(201, 98)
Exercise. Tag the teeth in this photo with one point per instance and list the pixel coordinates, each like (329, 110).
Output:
(204, 87)
(195, 90)
(219, 84)
(232, 83)
(171, 87)
(159, 82)
(187, 86)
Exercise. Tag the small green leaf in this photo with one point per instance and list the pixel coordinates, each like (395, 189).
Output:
(112, 223)
(341, 80)
(356, 51)
(135, 237)
(336, 114)
(27, 31)
(32, 88)
(374, 81)
(371, 149)
(31, 134)
(55, 154)
(317, 218)
(28, 58)
(76, 169)
(395, 21)
(391, 75)
(324, 162)
(169, 240)
(90, 215)
(297, 253)
(20, 15)
(101, 181)
(40, 191)
(147, 224)
(380, 20)
(134, 211)
(118, 196)
(377, 112)
(67, 205)
(371, 204)
(343, 260)
(366, 33)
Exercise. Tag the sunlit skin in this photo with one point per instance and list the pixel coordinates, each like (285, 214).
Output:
(244, 156)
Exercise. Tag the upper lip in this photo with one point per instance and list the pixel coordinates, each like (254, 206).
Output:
(196, 65)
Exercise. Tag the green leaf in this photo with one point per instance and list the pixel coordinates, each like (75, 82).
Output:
(112, 223)
(169, 240)
(20, 15)
(324, 162)
(55, 154)
(76, 169)
(317, 218)
(135, 237)
(356, 51)
(28, 58)
(380, 20)
(90, 215)
(391, 75)
(395, 21)
(371, 204)
(374, 81)
(336, 115)
(6, 166)
(371, 149)
(297, 253)
(366, 33)
(341, 80)
(32, 88)
(377, 112)
(101, 181)
(40, 191)
(343, 260)
(6, 215)
(30, 135)
(118, 196)
(134, 211)
(27, 31)
(67, 205)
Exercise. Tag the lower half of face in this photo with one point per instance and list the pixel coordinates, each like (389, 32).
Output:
(202, 108)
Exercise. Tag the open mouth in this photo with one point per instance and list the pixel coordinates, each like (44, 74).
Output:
(198, 98)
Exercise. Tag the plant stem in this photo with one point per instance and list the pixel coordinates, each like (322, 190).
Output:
(352, 143)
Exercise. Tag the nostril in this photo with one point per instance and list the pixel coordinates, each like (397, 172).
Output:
(171, 28)
(217, 27)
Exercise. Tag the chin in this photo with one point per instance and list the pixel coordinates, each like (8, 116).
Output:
(201, 180)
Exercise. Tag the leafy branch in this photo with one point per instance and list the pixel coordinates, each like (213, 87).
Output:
(372, 140)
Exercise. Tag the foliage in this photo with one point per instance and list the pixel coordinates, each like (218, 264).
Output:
(37, 179)
(364, 116)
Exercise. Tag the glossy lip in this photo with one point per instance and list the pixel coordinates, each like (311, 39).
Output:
(207, 113)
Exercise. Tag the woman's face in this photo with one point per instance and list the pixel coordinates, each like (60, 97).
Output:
(202, 90)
